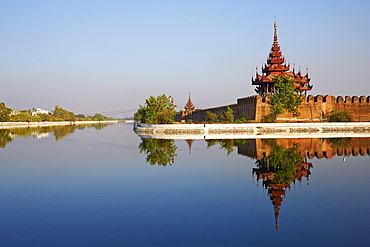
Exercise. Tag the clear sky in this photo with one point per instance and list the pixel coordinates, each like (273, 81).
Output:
(93, 56)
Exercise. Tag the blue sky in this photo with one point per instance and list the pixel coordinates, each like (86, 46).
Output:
(105, 56)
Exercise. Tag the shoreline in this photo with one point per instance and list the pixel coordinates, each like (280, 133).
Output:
(253, 130)
(9, 125)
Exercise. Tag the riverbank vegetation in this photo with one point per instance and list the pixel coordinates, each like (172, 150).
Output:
(58, 114)
(156, 110)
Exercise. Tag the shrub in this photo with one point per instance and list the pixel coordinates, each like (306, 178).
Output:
(211, 117)
(340, 116)
(228, 116)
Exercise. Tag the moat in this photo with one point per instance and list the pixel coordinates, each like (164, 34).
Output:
(104, 185)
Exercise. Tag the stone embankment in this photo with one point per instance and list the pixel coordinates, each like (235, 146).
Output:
(254, 130)
(9, 125)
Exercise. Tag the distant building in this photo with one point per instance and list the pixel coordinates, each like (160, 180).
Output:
(189, 108)
(39, 111)
(14, 112)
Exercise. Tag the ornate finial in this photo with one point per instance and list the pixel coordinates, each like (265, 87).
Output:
(275, 32)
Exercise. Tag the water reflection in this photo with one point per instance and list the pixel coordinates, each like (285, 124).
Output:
(225, 144)
(282, 167)
(58, 131)
(280, 163)
(158, 151)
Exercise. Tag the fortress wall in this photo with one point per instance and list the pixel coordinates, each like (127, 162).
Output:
(200, 116)
(313, 108)
(358, 107)
(247, 106)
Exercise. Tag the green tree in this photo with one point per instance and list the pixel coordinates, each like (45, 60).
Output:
(243, 118)
(285, 98)
(340, 116)
(61, 114)
(45, 117)
(156, 110)
(4, 112)
(99, 117)
(211, 117)
(228, 116)
(81, 117)
(22, 116)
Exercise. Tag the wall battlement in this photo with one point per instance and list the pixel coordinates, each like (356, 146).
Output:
(338, 99)
(313, 109)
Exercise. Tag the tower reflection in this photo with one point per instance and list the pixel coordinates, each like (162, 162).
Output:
(282, 162)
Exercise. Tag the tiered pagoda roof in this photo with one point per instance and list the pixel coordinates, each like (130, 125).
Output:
(189, 105)
(276, 66)
(277, 191)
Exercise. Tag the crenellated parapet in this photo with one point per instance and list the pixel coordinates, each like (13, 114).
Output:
(321, 148)
(313, 108)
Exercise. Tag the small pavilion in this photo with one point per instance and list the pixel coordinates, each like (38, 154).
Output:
(189, 108)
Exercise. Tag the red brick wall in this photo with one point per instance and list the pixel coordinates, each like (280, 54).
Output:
(313, 108)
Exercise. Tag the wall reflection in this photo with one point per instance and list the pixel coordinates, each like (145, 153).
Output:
(280, 163)
(59, 132)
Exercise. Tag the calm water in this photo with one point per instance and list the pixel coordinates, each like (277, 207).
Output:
(105, 186)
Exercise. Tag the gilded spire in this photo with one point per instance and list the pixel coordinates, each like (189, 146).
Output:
(275, 33)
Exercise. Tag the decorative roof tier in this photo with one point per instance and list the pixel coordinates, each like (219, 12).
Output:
(276, 66)
(189, 105)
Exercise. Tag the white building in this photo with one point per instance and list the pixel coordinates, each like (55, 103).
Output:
(39, 111)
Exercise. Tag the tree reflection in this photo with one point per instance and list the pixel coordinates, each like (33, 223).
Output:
(5, 137)
(282, 161)
(62, 131)
(340, 142)
(59, 131)
(158, 151)
(225, 144)
(283, 166)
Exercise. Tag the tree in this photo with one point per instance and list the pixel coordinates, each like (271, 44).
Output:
(285, 98)
(99, 117)
(22, 116)
(45, 117)
(340, 116)
(61, 114)
(4, 112)
(211, 117)
(228, 116)
(243, 118)
(156, 110)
